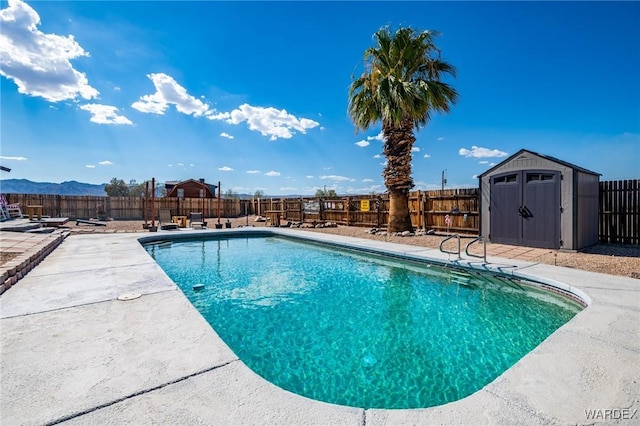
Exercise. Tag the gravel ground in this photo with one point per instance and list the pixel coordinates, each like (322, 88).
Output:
(608, 259)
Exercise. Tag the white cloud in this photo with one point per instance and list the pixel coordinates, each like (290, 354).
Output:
(105, 163)
(169, 92)
(226, 135)
(309, 176)
(180, 164)
(219, 116)
(378, 137)
(4, 157)
(362, 144)
(377, 156)
(440, 138)
(337, 178)
(105, 114)
(427, 156)
(268, 121)
(272, 173)
(480, 152)
(225, 169)
(483, 162)
(415, 149)
(90, 166)
(367, 180)
(39, 63)
(253, 172)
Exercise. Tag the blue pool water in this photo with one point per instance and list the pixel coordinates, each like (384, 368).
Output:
(356, 329)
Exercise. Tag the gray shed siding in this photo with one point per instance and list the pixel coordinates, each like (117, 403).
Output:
(578, 198)
(586, 215)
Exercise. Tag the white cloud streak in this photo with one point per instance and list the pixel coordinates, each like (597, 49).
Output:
(4, 157)
(225, 169)
(270, 122)
(363, 144)
(272, 173)
(169, 92)
(226, 135)
(105, 163)
(105, 114)
(253, 172)
(378, 137)
(480, 152)
(337, 178)
(38, 63)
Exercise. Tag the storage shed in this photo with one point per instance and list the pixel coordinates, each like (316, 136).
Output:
(535, 200)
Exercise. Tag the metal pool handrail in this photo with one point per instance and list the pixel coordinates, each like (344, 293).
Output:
(484, 248)
(451, 252)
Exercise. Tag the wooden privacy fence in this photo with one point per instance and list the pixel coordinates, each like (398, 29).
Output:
(428, 209)
(123, 208)
(619, 215)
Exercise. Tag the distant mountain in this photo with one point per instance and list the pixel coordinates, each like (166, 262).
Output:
(24, 186)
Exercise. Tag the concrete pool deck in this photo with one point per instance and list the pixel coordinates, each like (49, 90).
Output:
(72, 353)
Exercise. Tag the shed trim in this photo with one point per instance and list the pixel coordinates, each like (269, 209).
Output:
(547, 157)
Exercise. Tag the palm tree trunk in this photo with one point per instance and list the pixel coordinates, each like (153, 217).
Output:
(397, 174)
(399, 216)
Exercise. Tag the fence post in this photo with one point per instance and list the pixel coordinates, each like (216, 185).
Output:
(348, 207)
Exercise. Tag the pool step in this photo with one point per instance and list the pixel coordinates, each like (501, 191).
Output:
(461, 278)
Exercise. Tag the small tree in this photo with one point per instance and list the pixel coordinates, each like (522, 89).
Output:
(136, 189)
(258, 194)
(326, 193)
(116, 188)
(231, 194)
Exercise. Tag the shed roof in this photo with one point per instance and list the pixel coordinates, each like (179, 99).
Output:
(172, 187)
(548, 157)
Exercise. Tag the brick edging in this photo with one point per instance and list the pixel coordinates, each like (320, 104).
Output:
(20, 266)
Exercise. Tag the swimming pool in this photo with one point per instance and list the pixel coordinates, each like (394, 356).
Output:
(357, 329)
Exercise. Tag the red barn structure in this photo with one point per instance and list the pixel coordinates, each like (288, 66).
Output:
(190, 188)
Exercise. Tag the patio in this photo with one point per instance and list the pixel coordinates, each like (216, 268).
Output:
(72, 353)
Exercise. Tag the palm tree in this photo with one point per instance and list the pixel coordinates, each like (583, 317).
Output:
(400, 86)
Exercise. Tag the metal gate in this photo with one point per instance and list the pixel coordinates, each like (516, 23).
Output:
(525, 208)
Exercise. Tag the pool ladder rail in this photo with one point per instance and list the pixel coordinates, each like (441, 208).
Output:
(466, 250)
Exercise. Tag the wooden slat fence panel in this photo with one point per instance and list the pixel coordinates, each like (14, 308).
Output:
(619, 214)
(122, 208)
(461, 205)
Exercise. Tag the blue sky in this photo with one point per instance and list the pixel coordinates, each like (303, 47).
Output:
(254, 94)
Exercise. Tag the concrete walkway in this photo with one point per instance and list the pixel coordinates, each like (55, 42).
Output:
(72, 353)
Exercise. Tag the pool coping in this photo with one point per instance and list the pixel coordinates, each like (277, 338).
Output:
(171, 367)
